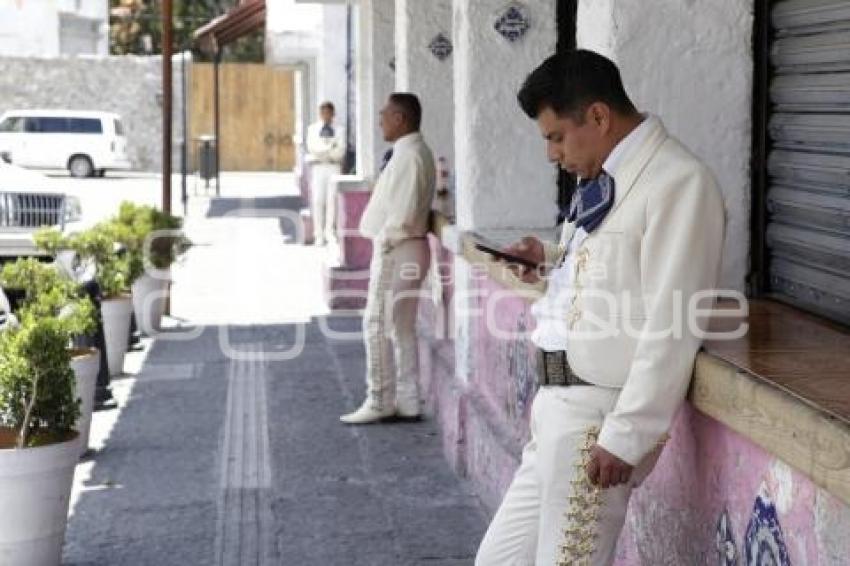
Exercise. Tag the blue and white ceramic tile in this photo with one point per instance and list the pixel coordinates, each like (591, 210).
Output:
(441, 47)
(513, 23)
(763, 543)
(727, 550)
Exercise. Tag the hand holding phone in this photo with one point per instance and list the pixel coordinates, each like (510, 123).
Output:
(505, 256)
(525, 255)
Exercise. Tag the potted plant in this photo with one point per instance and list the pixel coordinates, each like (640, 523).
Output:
(153, 241)
(38, 444)
(98, 247)
(47, 293)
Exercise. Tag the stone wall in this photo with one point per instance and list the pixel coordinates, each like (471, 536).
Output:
(129, 86)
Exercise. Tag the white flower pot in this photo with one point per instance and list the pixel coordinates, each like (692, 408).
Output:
(149, 295)
(116, 330)
(86, 365)
(35, 488)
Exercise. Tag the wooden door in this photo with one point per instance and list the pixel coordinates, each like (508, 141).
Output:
(257, 113)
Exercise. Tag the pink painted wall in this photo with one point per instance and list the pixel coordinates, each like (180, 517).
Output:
(713, 494)
(355, 250)
(346, 285)
(708, 472)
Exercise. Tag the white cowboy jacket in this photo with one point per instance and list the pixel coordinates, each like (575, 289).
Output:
(634, 278)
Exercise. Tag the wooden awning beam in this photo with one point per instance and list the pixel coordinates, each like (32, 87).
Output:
(245, 18)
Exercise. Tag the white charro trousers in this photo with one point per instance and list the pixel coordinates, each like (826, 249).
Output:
(389, 322)
(323, 200)
(528, 528)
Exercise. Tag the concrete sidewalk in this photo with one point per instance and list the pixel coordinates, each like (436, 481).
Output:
(227, 449)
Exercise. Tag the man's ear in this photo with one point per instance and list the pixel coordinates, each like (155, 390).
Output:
(600, 114)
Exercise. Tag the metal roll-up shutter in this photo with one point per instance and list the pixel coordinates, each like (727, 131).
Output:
(808, 195)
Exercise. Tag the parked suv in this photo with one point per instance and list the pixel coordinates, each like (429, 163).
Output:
(84, 143)
(29, 202)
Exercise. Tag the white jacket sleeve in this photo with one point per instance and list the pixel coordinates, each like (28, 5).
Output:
(336, 152)
(679, 256)
(372, 220)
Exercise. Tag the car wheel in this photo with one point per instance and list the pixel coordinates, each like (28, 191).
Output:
(101, 172)
(80, 166)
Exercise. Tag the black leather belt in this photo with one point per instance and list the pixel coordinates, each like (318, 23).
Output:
(554, 369)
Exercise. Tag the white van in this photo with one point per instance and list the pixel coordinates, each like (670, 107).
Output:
(84, 143)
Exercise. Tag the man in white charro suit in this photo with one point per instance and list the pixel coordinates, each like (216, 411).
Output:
(642, 240)
(396, 220)
(325, 152)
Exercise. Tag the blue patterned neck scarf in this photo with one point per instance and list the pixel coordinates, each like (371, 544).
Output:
(327, 131)
(386, 159)
(592, 201)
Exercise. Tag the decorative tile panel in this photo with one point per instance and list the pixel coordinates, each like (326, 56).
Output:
(727, 550)
(441, 47)
(763, 542)
(513, 23)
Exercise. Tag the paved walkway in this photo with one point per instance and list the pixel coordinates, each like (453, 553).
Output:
(226, 449)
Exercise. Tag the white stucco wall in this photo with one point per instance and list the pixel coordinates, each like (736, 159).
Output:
(294, 40)
(29, 29)
(691, 63)
(332, 59)
(32, 28)
(420, 72)
(502, 176)
(375, 78)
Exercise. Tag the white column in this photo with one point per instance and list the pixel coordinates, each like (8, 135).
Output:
(690, 63)
(419, 71)
(375, 80)
(333, 58)
(502, 176)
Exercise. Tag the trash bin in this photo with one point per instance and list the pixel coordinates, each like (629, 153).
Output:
(207, 158)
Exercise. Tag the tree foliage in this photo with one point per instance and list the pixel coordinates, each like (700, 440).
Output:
(136, 28)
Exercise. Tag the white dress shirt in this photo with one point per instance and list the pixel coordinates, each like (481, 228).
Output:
(552, 310)
(401, 199)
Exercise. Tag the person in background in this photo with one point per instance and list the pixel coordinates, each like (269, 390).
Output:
(396, 220)
(325, 153)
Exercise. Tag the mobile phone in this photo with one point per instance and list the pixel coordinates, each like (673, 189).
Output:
(493, 249)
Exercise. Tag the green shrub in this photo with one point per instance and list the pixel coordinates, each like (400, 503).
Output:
(36, 382)
(47, 293)
(135, 224)
(98, 245)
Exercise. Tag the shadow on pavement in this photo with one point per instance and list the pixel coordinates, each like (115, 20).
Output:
(285, 208)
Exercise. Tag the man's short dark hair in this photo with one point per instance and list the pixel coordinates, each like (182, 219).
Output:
(570, 82)
(327, 105)
(408, 104)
